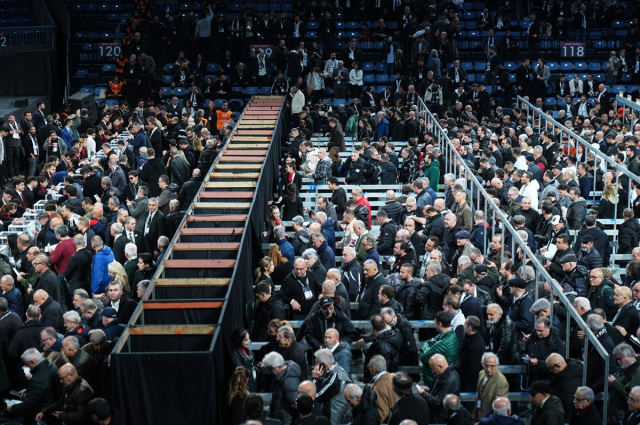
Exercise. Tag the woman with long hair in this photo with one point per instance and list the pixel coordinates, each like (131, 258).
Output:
(608, 202)
(364, 128)
(291, 203)
(355, 78)
(238, 394)
(117, 272)
(263, 272)
(8, 214)
(289, 176)
(336, 162)
(273, 220)
(243, 356)
(282, 266)
(188, 109)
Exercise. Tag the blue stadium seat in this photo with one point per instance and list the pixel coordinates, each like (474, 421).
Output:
(471, 78)
(112, 102)
(469, 16)
(599, 77)
(594, 66)
(82, 73)
(562, 103)
(218, 102)
(184, 7)
(198, 7)
(167, 79)
(113, 17)
(382, 78)
(338, 16)
(312, 25)
(366, 46)
(524, 24)
(473, 35)
(179, 92)
(353, 26)
(553, 66)
(287, 7)
(566, 66)
(104, 8)
(353, 34)
(480, 78)
(367, 67)
(550, 101)
(80, 35)
(213, 68)
(471, 25)
(619, 88)
(368, 79)
(337, 102)
(168, 68)
(91, 8)
(93, 35)
(86, 57)
(117, 7)
(340, 26)
(252, 91)
(214, 78)
(379, 67)
(166, 91)
(312, 34)
(467, 66)
(275, 7)
(510, 66)
(617, 24)
(108, 68)
(78, 8)
(266, 91)
(87, 90)
(237, 90)
(480, 67)
(600, 45)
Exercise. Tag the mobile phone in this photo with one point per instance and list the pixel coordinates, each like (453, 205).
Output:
(15, 393)
(417, 386)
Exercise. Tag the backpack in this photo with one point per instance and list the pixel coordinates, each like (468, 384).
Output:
(362, 213)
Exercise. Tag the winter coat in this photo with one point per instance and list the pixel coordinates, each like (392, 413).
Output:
(27, 336)
(432, 172)
(388, 173)
(317, 325)
(409, 169)
(100, 273)
(285, 392)
(552, 413)
(521, 316)
(496, 386)
(73, 403)
(42, 390)
(563, 384)
(588, 416)
(342, 355)
(478, 233)
(435, 227)
(394, 210)
(329, 389)
(628, 236)
(387, 344)
(366, 413)
(596, 372)
(369, 303)
(406, 295)
(540, 350)
(447, 382)
(356, 172)
(410, 407)
(387, 238)
(386, 397)
(151, 172)
(292, 290)
(446, 344)
(431, 294)
(470, 361)
(576, 214)
(329, 229)
(502, 339)
(409, 350)
(272, 309)
(602, 297)
(589, 259)
(166, 196)
(578, 279)
(492, 419)
(52, 313)
(352, 277)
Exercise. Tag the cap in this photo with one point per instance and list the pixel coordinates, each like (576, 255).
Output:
(555, 219)
(429, 133)
(109, 313)
(558, 167)
(586, 238)
(538, 306)
(539, 387)
(569, 258)
(516, 282)
(481, 269)
(463, 234)
(325, 302)
(96, 336)
(529, 158)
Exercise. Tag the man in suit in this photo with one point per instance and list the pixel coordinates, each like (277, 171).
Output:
(484, 102)
(154, 224)
(459, 95)
(523, 78)
(85, 122)
(576, 87)
(119, 242)
(457, 74)
(581, 107)
(491, 385)
(626, 319)
(132, 235)
(633, 403)
(488, 42)
(533, 34)
(155, 137)
(604, 97)
(39, 119)
(590, 87)
(562, 87)
(409, 405)
(197, 100)
(543, 71)
(78, 272)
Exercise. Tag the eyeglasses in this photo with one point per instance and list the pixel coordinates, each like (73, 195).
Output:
(131, 178)
(579, 399)
(633, 400)
(539, 331)
(36, 264)
(43, 340)
(66, 376)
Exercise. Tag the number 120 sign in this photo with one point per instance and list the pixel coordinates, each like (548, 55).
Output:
(572, 50)
(109, 50)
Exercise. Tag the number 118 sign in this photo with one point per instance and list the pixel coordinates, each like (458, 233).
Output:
(572, 50)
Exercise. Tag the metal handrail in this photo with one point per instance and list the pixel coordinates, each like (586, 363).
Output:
(460, 168)
(628, 104)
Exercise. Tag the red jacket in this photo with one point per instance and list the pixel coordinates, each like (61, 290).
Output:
(363, 201)
(60, 257)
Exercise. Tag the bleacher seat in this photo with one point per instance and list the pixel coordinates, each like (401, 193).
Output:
(566, 66)
(340, 26)
(108, 68)
(338, 16)
(594, 66)
(166, 91)
(353, 25)
(111, 102)
(252, 91)
(367, 67)
(87, 90)
(184, 7)
(265, 91)
(167, 79)
(179, 92)
(550, 101)
(338, 102)
(368, 79)
(626, 77)
(168, 68)
(619, 88)
(467, 66)
(312, 25)
(617, 24)
(553, 66)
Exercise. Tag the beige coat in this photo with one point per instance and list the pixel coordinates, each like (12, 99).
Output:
(386, 397)
(496, 387)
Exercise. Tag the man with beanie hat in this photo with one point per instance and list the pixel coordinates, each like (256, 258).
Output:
(587, 256)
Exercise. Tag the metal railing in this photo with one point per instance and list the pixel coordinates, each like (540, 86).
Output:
(534, 114)
(37, 37)
(628, 106)
(460, 169)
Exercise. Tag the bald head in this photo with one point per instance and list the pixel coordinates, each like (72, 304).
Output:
(40, 296)
(308, 388)
(502, 406)
(438, 364)
(408, 422)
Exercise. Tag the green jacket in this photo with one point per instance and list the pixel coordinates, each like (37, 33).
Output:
(360, 252)
(432, 172)
(351, 129)
(552, 413)
(620, 389)
(467, 274)
(446, 344)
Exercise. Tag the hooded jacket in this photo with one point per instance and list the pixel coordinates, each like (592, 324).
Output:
(576, 214)
(300, 241)
(100, 272)
(366, 413)
(602, 297)
(430, 295)
(406, 295)
(151, 172)
(382, 128)
(388, 173)
(432, 172)
(387, 344)
(285, 392)
(628, 235)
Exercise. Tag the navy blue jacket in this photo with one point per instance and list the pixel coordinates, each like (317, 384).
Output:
(14, 298)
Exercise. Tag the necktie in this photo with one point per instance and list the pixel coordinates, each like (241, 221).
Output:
(131, 238)
(23, 203)
(146, 227)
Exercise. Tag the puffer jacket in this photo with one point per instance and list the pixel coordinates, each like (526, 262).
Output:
(352, 277)
(501, 340)
(409, 169)
(329, 229)
(388, 173)
(387, 344)
(285, 392)
(73, 403)
(406, 295)
(435, 227)
(626, 379)
(576, 214)
(387, 238)
(42, 390)
(590, 259)
(430, 295)
(342, 355)
(578, 279)
(602, 297)
(446, 344)
(317, 325)
(628, 236)
(448, 382)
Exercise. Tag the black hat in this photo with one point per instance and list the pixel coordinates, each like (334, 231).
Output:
(325, 302)
(558, 167)
(481, 269)
(586, 238)
(516, 282)
(539, 387)
(569, 258)
(429, 133)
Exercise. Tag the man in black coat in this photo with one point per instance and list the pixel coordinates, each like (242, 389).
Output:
(522, 78)
(52, 311)
(48, 281)
(446, 382)
(300, 297)
(92, 183)
(596, 371)
(270, 307)
(154, 225)
(473, 348)
(408, 351)
(626, 319)
(27, 336)
(386, 342)
(190, 189)
(363, 403)
(501, 338)
(151, 172)
(566, 376)
(124, 306)
(368, 301)
(329, 316)
(409, 406)
(78, 272)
